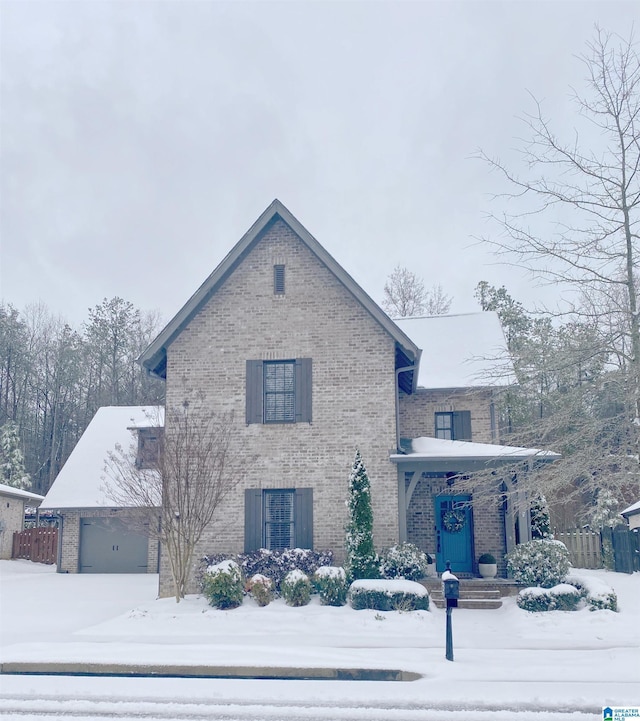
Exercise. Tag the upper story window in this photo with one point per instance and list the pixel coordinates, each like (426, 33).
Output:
(453, 426)
(278, 279)
(149, 447)
(279, 387)
(278, 391)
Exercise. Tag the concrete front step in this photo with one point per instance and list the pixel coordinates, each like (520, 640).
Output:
(477, 603)
(489, 593)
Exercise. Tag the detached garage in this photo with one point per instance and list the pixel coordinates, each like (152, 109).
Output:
(97, 536)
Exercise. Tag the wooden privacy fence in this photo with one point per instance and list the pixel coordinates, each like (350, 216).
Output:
(36, 544)
(584, 546)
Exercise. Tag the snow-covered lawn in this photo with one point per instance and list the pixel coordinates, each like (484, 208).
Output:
(507, 661)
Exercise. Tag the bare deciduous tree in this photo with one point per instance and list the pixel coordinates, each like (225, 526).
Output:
(576, 224)
(406, 296)
(178, 496)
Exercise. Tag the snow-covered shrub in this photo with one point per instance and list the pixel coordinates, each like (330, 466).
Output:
(222, 585)
(598, 595)
(260, 587)
(388, 595)
(331, 584)
(539, 563)
(540, 518)
(296, 588)
(276, 564)
(563, 597)
(362, 560)
(404, 561)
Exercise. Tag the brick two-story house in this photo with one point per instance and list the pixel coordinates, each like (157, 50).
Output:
(312, 368)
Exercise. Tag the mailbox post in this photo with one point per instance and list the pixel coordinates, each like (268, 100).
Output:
(451, 593)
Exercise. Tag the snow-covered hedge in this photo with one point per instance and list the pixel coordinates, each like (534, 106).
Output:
(404, 561)
(222, 585)
(388, 595)
(296, 588)
(563, 597)
(597, 594)
(275, 564)
(539, 563)
(331, 584)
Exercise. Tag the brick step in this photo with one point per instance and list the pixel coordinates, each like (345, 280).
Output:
(471, 603)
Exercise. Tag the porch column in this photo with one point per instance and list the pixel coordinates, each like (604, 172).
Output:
(403, 503)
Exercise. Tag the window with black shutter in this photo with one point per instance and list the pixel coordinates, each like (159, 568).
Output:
(278, 519)
(453, 426)
(279, 391)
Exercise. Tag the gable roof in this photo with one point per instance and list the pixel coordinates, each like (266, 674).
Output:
(460, 351)
(154, 358)
(81, 481)
(14, 492)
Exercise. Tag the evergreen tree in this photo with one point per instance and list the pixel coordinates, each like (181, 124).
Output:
(12, 471)
(362, 560)
(540, 520)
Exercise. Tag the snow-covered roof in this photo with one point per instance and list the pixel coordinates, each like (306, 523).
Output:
(460, 351)
(441, 449)
(81, 482)
(632, 510)
(19, 493)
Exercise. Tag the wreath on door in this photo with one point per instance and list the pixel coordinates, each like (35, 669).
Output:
(453, 521)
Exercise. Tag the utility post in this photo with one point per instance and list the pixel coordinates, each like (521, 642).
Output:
(451, 593)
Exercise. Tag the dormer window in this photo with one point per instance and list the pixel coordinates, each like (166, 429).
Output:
(278, 279)
(149, 447)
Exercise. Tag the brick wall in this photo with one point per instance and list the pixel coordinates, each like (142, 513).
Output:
(353, 389)
(417, 412)
(12, 519)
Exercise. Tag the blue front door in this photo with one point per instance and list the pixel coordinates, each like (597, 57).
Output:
(454, 538)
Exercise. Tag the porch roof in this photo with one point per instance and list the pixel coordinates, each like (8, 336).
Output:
(439, 454)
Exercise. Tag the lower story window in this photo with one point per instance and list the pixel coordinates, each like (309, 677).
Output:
(279, 529)
(278, 518)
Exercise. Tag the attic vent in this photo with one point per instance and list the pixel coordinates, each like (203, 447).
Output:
(278, 279)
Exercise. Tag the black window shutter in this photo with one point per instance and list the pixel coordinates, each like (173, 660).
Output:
(303, 390)
(254, 391)
(304, 517)
(252, 519)
(462, 425)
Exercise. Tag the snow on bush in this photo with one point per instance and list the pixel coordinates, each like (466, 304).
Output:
(539, 563)
(331, 584)
(222, 584)
(296, 588)
(598, 595)
(260, 587)
(362, 560)
(404, 561)
(388, 595)
(562, 597)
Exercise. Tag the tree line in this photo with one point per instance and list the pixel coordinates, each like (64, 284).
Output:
(53, 378)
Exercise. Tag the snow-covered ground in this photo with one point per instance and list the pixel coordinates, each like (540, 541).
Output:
(557, 665)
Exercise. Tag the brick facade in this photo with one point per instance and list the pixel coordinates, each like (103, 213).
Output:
(417, 412)
(353, 388)
(11, 519)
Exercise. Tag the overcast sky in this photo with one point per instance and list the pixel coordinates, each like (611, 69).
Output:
(140, 140)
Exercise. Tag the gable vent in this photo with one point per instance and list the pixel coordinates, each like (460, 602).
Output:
(278, 279)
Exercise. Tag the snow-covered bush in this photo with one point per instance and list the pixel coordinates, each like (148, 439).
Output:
(404, 561)
(540, 518)
(296, 588)
(598, 595)
(276, 564)
(331, 584)
(562, 597)
(539, 563)
(362, 560)
(261, 589)
(388, 595)
(222, 585)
